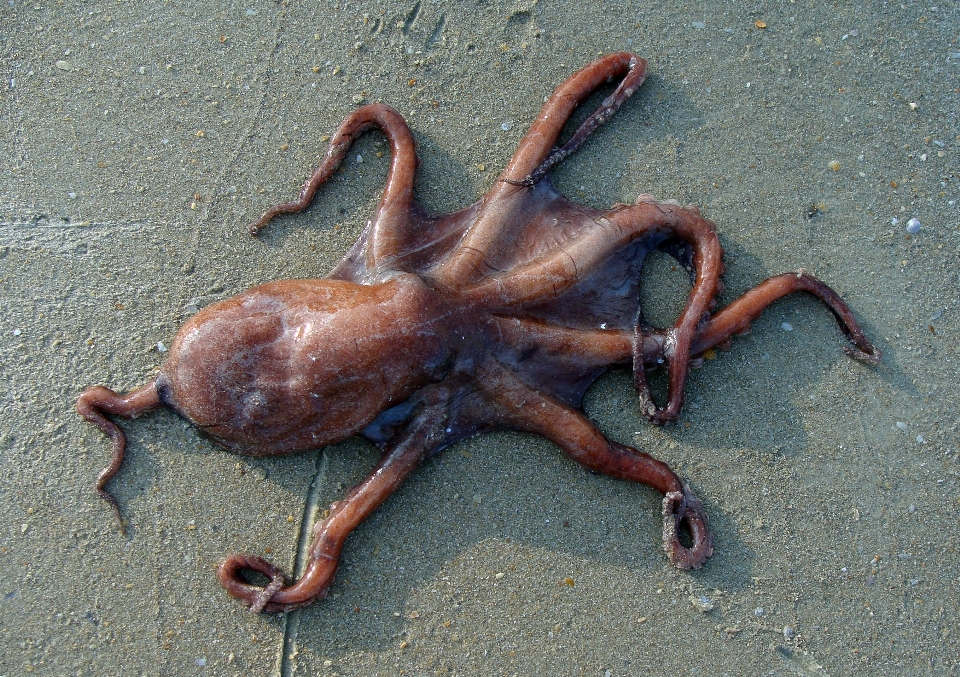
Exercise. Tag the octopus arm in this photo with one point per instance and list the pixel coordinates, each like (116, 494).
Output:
(525, 408)
(398, 462)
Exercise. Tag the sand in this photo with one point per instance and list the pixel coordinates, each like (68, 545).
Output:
(138, 139)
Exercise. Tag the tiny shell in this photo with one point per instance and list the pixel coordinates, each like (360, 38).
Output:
(703, 604)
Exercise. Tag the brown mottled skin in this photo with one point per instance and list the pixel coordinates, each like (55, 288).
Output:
(434, 328)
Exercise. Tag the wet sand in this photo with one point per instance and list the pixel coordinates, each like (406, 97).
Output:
(138, 140)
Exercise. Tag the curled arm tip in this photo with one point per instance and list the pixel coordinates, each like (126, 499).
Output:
(683, 508)
(868, 354)
(93, 405)
(256, 597)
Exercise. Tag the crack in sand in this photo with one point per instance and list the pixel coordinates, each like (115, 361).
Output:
(291, 623)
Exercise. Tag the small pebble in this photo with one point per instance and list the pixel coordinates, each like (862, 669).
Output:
(698, 24)
(505, 126)
(202, 662)
(72, 195)
(920, 439)
(359, 159)
(787, 632)
(913, 226)
(786, 326)
(901, 425)
(704, 604)
(64, 65)
(161, 347)
(758, 611)
(16, 332)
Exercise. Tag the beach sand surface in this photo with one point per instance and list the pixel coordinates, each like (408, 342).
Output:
(137, 141)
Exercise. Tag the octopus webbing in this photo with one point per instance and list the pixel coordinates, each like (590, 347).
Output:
(434, 328)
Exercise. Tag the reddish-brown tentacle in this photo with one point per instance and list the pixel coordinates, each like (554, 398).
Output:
(397, 197)
(736, 317)
(530, 410)
(92, 404)
(591, 348)
(562, 104)
(423, 435)
(535, 155)
(684, 508)
(700, 234)
(229, 573)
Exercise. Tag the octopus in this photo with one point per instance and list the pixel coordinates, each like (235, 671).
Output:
(434, 328)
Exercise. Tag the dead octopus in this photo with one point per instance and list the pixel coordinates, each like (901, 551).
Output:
(434, 328)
